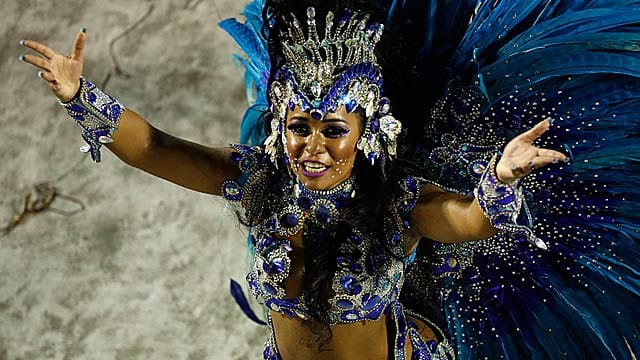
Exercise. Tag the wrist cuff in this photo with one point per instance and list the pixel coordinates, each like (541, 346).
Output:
(97, 113)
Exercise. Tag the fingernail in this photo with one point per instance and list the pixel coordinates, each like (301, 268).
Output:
(21, 58)
(40, 74)
(556, 160)
(83, 29)
(531, 166)
(551, 121)
(21, 42)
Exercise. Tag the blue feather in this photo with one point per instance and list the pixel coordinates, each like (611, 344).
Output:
(241, 300)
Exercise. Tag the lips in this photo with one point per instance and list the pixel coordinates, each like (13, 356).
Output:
(313, 169)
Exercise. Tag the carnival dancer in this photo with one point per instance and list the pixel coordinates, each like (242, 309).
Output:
(359, 253)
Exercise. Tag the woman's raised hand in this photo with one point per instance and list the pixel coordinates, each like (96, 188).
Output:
(520, 156)
(62, 73)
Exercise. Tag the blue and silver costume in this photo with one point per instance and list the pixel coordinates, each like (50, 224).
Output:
(368, 279)
(493, 69)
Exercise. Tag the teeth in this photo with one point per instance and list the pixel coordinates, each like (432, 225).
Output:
(314, 167)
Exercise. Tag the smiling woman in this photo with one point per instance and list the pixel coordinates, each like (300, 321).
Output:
(357, 252)
(323, 152)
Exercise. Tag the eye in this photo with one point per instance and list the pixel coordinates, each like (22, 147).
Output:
(300, 129)
(334, 132)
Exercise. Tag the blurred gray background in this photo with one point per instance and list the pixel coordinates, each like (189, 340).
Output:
(143, 272)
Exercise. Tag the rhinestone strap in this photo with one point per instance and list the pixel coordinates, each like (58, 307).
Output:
(97, 113)
(503, 203)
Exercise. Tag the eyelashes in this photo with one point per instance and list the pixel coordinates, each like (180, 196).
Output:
(331, 131)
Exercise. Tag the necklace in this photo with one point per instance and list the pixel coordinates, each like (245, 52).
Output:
(315, 208)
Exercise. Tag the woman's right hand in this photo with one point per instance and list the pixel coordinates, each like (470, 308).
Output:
(62, 73)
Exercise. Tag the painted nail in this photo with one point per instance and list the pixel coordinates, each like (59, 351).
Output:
(83, 29)
(21, 58)
(21, 42)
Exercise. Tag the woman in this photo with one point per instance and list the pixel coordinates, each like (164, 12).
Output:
(335, 217)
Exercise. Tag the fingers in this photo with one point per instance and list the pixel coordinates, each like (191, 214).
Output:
(47, 76)
(78, 44)
(538, 162)
(535, 132)
(40, 48)
(557, 156)
(35, 61)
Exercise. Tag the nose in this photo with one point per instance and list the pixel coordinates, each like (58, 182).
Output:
(315, 143)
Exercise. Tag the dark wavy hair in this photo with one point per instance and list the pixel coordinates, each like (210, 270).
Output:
(376, 184)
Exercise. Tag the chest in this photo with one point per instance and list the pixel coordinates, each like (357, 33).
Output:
(367, 276)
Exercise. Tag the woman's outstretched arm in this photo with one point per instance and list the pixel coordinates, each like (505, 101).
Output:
(454, 218)
(136, 142)
(182, 162)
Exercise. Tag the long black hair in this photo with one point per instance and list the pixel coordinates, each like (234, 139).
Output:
(376, 184)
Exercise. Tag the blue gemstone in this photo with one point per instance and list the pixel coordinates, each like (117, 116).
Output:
(432, 345)
(77, 108)
(115, 112)
(323, 214)
(92, 98)
(396, 238)
(274, 267)
(236, 156)
(411, 184)
(375, 125)
(372, 158)
(266, 242)
(350, 284)
(305, 202)
(356, 268)
(507, 199)
(290, 220)
(375, 314)
(344, 304)
(371, 303)
(354, 238)
(269, 288)
(351, 105)
(317, 114)
(292, 105)
(350, 315)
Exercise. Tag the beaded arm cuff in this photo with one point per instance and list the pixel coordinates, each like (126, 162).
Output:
(503, 203)
(97, 113)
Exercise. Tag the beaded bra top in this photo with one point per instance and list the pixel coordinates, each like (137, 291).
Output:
(368, 277)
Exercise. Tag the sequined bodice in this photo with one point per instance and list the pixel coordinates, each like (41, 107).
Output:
(366, 281)
(369, 267)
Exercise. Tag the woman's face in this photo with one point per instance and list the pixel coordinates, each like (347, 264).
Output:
(322, 152)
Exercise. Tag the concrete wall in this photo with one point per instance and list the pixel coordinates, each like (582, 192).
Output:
(143, 272)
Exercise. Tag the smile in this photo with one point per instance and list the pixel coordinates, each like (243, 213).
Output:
(313, 169)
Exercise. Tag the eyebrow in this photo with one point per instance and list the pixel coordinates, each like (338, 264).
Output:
(325, 120)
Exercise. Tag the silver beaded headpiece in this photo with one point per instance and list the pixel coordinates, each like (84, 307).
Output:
(319, 76)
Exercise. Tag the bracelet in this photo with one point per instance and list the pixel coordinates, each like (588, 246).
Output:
(97, 113)
(503, 203)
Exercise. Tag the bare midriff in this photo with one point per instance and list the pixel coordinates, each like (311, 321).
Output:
(365, 340)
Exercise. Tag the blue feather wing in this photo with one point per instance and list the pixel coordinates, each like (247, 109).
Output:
(579, 63)
(251, 39)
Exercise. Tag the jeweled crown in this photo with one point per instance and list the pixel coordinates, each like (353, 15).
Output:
(314, 62)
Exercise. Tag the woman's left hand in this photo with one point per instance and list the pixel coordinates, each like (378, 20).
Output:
(520, 156)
